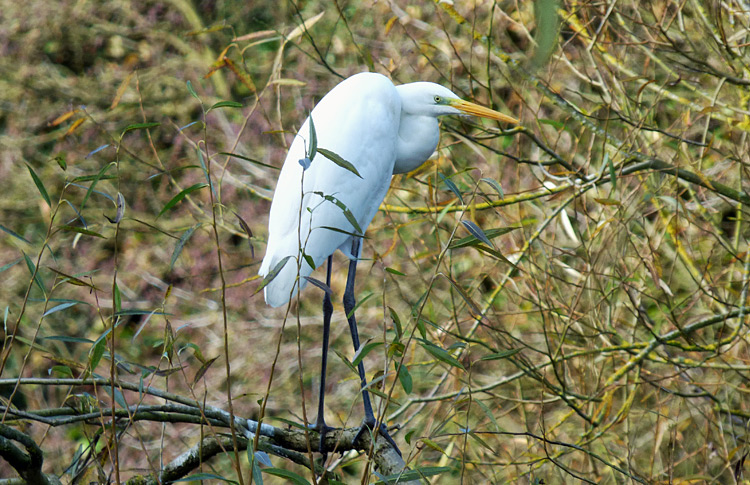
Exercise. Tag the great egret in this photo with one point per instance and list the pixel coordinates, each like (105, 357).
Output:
(381, 130)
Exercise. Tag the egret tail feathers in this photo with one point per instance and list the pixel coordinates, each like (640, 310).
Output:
(284, 285)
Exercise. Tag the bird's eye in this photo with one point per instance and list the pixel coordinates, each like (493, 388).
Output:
(438, 99)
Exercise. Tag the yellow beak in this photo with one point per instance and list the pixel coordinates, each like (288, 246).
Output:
(476, 110)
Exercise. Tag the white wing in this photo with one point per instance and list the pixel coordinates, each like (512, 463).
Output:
(357, 120)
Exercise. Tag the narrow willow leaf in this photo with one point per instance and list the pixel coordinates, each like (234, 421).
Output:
(117, 298)
(273, 273)
(396, 322)
(138, 126)
(93, 152)
(203, 369)
(417, 473)
(192, 91)
(473, 241)
(177, 198)
(120, 205)
(248, 232)
(9, 265)
(346, 361)
(451, 186)
(495, 185)
(248, 159)
(225, 104)
(477, 232)
(34, 273)
(181, 244)
(290, 477)
(14, 234)
(365, 349)
(319, 284)
(81, 230)
(204, 476)
(440, 354)
(73, 280)
(252, 458)
(39, 185)
(395, 271)
(94, 181)
(347, 213)
(336, 229)
(501, 355)
(312, 150)
(404, 378)
(612, 174)
(96, 353)
(360, 302)
(60, 307)
(339, 161)
(309, 260)
(547, 30)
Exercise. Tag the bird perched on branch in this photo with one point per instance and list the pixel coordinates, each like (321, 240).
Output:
(334, 178)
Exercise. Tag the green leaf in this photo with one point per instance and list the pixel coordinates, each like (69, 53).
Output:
(347, 213)
(612, 174)
(312, 150)
(417, 473)
(9, 265)
(360, 302)
(60, 307)
(96, 352)
(39, 185)
(60, 159)
(181, 244)
(440, 353)
(117, 298)
(547, 30)
(272, 274)
(495, 185)
(404, 378)
(14, 234)
(248, 159)
(94, 181)
(396, 322)
(473, 241)
(81, 230)
(452, 187)
(477, 232)
(291, 477)
(62, 369)
(365, 349)
(395, 271)
(225, 104)
(501, 355)
(138, 126)
(203, 476)
(346, 361)
(34, 273)
(339, 161)
(192, 91)
(177, 198)
(254, 465)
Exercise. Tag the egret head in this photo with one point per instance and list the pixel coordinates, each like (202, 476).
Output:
(430, 99)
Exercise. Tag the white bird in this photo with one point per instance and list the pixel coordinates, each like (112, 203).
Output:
(381, 130)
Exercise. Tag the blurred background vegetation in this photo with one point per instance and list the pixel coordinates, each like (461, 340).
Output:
(602, 338)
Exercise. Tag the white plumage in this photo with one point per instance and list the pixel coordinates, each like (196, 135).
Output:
(381, 129)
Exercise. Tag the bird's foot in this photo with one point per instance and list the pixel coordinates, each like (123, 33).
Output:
(368, 425)
(322, 428)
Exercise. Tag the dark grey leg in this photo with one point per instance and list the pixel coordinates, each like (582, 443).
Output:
(349, 304)
(320, 422)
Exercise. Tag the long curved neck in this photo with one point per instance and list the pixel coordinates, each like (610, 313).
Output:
(418, 137)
